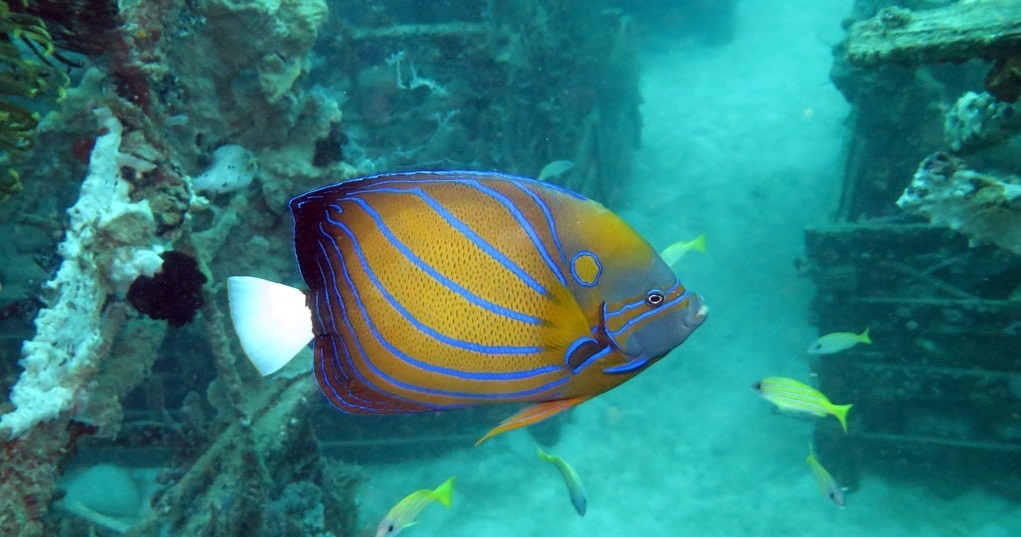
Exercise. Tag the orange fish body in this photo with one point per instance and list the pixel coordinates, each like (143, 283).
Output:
(439, 290)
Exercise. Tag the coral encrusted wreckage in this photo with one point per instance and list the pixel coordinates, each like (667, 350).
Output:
(193, 124)
(984, 207)
(110, 241)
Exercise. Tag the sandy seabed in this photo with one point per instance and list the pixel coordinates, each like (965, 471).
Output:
(744, 143)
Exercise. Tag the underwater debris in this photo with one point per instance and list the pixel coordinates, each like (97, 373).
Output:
(394, 60)
(980, 120)
(233, 168)
(982, 206)
(88, 350)
(329, 150)
(108, 495)
(1004, 79)
(107, 246)
(956, 33)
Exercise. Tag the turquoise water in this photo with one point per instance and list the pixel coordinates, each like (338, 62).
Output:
(743, 137)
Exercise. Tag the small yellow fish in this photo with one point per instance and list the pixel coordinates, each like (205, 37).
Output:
(554, 169)
(838, 341)
(574, 487)
(790, 395)
(671, 254)
(827, 485)
(404, 513)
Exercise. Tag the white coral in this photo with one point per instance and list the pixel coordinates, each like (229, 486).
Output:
(109, 243)
(233, 168)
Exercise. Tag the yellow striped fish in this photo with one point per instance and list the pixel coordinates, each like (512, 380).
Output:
(673, 253)
(838, 341)
(575, 490)
(439, 290)
(827, 485)
(792, 396)
(404, 513)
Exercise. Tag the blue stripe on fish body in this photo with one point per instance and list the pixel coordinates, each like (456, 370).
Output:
(550, 222)
(644, 316)
(462, 344)
(351, 239)
(437, 275)
(467, 375)
(577, 352)
(407, 359)
(393, 350)
(526, 227)
(515, 211)
(463, 228)
(448, 280)
(327, 383)
(599, 355)
(627, 368)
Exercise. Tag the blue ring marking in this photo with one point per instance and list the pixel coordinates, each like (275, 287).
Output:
(354, 337)
(526, 226)
(592, 359)
(419, 325)
(574, 345)
(431, 368)
(574, 272)
(437, 275)
(469, 233)
(549, 218)
(626, 368)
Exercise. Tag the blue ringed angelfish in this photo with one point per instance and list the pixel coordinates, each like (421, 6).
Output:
(438, 290)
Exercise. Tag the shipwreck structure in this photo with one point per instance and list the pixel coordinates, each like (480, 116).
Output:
(926, 248)
(257, 102)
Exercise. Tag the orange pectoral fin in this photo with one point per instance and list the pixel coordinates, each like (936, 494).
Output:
(533, 414)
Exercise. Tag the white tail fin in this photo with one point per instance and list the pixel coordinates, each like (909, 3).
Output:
(271, 321)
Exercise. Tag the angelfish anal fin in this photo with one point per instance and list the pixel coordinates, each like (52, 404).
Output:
(533, 414)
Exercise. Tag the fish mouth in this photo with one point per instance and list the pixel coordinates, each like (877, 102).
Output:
(695, 312)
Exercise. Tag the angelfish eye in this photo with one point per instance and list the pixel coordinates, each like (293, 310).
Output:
(654, 298)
